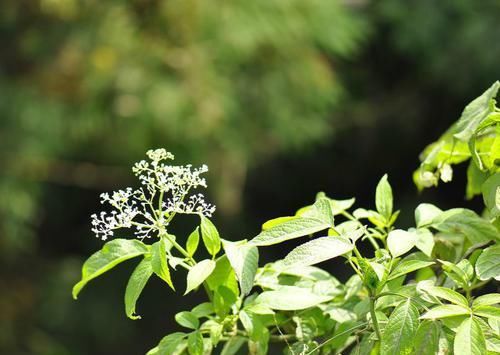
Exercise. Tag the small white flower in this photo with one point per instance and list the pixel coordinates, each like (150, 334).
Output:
(149, 210)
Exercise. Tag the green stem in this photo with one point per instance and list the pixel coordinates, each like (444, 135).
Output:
(374, 317)
(368, 235)
(183, 251)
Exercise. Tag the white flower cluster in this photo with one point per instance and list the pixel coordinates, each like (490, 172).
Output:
(149, 210)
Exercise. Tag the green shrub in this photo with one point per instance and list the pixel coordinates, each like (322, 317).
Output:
(419, 292)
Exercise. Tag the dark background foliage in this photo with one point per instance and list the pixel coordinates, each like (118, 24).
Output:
(281, 99)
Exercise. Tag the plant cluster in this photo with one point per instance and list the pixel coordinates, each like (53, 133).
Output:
(420, 290)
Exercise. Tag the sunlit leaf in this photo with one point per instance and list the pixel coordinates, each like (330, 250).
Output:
(316, 251)
(399, 333)
(111, 254)
(469, 339)
(289, 230)
(199, 273)
(135, 285)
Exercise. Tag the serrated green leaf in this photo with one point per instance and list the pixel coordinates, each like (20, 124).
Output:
(195, 343)
(486, 300)
(210, 236)
(159, 262)
(400, 242)
(111, 254)
(289, 230)
(187, 319)
(199, 273)
(135, 285)
(316, 251)
(383, 198)
(399, 333)
(324, 211)
(444, 311)
(244, 259)
(447, 294)
(172, 344)
(407, 266)
(469, 339)
(488, 264)
(427, 338)
(193, 241)
(289, 298)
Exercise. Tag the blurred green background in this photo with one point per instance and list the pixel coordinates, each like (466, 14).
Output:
(280, 98)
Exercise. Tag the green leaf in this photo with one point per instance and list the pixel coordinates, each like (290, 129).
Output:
(159, 262)
(474, 113)
(475, 180)
(427, 338)
(424, 241)
(223, 275)
(195, 343)
(460, 220)
(187, 320)
(488, 265)
(444, 311)
(383, 198)
(399, 333)
(425, 213)
(289, 230)
(469, 339)
(487, 312)
(215, 328)
(324, 211)
(457, 274)
(199, 273)
(491, 194)
(193, 241)
(224, 299)
(203, 310)
(316, 251)
(338, 206)
(486, 300)
(210, 236)
(135, 285)
(407, 266)
(447, 294)
(111, 254)
(172, 344)
(244, 259)
(289, 298)
(370, 277)
(400, 242)
(276, 221)
(233, 345)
